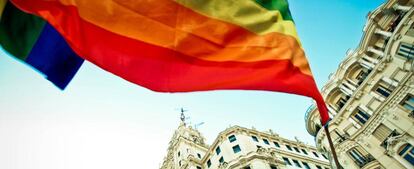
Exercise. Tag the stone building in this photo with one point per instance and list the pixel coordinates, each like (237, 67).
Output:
(370, 96)
(239, 148)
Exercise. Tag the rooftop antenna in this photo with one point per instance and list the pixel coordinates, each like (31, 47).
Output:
(198, 125)
(182, 116)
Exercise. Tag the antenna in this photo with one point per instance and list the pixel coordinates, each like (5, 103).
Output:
(182, 116)
(198, 125)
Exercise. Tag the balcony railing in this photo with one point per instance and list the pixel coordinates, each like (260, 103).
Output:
(411, 114)
(366, 159)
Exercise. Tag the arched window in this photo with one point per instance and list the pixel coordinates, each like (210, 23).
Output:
(407, 152)
(336, 100)
(356, 74)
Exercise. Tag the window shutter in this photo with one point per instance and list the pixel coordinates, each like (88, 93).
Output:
(382, 132)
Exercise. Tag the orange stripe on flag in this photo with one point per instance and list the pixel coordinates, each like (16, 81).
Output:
(169, 68)
(168, 24)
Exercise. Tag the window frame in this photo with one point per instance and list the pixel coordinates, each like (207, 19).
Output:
(384, 87)
(306, 165)
(296, 162)
(315, 154)
(406, 151)
(218, 150)
(221, 160)
(234, 150)
(232, 138)
(402, 50)
(407, 101)
(296, 149)
(289, 147)
(360, 116)
(304, 151)
(266, 141)
(287, 161)
(255, 138)
(276, 144)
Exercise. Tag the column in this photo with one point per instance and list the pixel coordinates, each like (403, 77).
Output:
(383, 33)
(401, 7)
(345, 90)
(376, 51)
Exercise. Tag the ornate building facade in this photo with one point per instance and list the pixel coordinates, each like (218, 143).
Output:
(239, 148)
(371, 95)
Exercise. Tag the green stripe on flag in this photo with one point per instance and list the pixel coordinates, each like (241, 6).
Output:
(19, 31)
(280, 5)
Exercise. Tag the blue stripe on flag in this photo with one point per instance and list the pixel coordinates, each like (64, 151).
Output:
(52, 56)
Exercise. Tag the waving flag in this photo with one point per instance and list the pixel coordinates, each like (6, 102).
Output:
(38, 44)
(187, 45)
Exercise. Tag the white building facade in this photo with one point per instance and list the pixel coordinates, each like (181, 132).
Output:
(370, 96)
(239, 148)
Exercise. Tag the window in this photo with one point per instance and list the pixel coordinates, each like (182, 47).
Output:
(179, 154)
(287, 161)
(383, 90)
(221, 160)
(273, 167)
(318, 167)
(208, 163)
(247, 167)
(288, 147)
(236, 149)
(232, 138)
(324, 156)
(406, 50)
(296, 149)
(315, 154)
(276, 144)
(362, 75)
(304, 151)
(296, 162)
(306, 165)
(198, 167)
(255, 139)
(361, 116)
(266, 141)
(408, 103)
(218, 150)
(179, 163)
(258, 146)
(198, 155)
(341, 102)
(357, 156)
(407, 152)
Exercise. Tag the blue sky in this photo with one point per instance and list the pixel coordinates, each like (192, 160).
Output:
(103, 121)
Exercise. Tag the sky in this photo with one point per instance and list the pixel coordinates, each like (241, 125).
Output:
(102, 121)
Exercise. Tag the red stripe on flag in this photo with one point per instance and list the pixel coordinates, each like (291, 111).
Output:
(165, 70)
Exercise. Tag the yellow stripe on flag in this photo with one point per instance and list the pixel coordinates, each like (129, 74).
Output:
(2, 5)
(245, 13)
(181, 29)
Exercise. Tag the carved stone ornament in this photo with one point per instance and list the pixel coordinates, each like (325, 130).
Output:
(261, 150)
(391, 141)
(381, 66)
(223, 165)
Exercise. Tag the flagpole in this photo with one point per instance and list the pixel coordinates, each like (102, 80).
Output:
(328, 135)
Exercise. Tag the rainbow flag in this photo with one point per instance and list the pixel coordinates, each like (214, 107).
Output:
(187, 45)
(33, 41)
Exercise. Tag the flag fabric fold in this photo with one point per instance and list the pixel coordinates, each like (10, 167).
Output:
(35, 42)
(185, 45)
